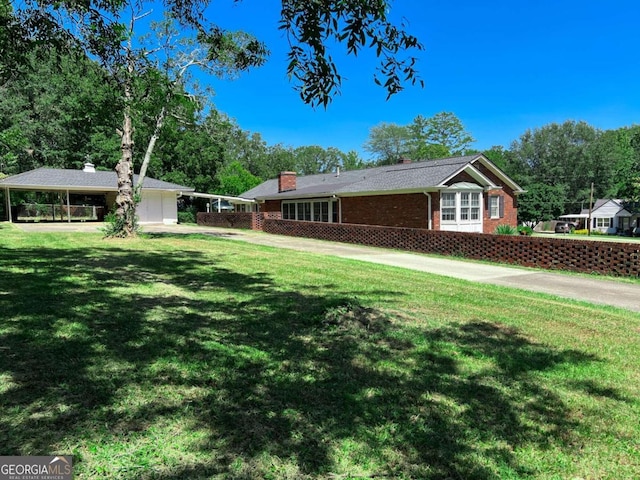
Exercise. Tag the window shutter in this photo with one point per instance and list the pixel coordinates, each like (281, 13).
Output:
(501, 206)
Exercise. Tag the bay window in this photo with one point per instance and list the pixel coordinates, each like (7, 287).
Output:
(461, 208)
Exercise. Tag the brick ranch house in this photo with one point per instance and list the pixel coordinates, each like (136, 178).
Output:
(460, 194)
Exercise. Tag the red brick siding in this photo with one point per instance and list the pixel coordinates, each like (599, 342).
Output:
(510, 200)
(409, 210)
(287, 181)
(271, 206)
(605, 258)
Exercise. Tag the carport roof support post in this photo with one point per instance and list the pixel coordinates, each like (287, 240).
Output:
(8, 190)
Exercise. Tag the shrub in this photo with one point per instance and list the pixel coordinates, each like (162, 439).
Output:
(583, 231)
(186, 217)
(114, 225)
(525, 230)
(505, 230)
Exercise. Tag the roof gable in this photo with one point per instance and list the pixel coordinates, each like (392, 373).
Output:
(607, 207)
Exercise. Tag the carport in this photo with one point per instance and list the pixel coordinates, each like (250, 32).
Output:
(240, 204)
(82, 192)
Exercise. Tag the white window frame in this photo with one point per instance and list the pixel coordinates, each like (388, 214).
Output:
(494, 206)
(448, 207)
(465, 208)
(604, 222)
(313, 209)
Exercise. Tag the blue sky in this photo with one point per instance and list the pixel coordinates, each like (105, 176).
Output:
(502, 67)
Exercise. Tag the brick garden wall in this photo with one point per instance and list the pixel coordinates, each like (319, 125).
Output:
(605, 258)
(248, 220)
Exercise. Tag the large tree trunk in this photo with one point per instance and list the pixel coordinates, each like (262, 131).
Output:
(125, 201)
(126, 224)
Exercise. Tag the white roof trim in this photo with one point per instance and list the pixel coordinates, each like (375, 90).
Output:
(214, 196)
(475, 173)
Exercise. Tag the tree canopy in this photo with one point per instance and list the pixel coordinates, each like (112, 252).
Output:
(557, 164)
(107, 30)
(439, 136)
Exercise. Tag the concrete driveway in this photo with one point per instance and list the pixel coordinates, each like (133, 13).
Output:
(577, 287)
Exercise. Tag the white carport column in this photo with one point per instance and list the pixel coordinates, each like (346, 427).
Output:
(8, 195)
(68, 208)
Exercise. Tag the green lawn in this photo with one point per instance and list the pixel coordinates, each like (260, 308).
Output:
(182, 357)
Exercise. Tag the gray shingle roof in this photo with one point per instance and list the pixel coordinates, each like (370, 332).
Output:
(415, 176)
(78, 179)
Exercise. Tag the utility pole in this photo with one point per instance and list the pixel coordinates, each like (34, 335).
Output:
(590, 210)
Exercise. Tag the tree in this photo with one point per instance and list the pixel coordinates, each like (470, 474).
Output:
(541, 202)
(439, 136)
(314, 159)
(234, 179)
(388, 143)
(559, 156)
(101, 29)
(58, 111)
(619, 158)
(352, 161)
(500, 158)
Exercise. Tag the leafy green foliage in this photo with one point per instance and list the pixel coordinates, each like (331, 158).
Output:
(440, 136)
(525, 230)
(311, 25)
(541, 202)
(505, 229)
(234, 179)
(187, 216)
(59, 112)
(388, 143)
(114, 226)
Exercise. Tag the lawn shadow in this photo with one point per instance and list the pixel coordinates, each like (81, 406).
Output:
(278, 382)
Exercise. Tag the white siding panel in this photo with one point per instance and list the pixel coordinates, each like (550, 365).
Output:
(150, 208)
(169, 208)
(608, 210)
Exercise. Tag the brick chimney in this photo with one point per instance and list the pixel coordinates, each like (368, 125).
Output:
(286, 181)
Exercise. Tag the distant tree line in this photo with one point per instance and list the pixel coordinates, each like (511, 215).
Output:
(556, 163)
(61, 110)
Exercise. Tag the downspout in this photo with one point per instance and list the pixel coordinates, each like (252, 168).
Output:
(339, 201)
(430, 226)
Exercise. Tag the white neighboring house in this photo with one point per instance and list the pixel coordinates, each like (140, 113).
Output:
(87, 188)
(608, 215)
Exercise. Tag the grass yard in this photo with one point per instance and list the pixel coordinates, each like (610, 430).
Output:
(185, 357)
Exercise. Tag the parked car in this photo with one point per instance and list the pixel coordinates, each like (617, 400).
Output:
(225, 206)
(564, 227)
